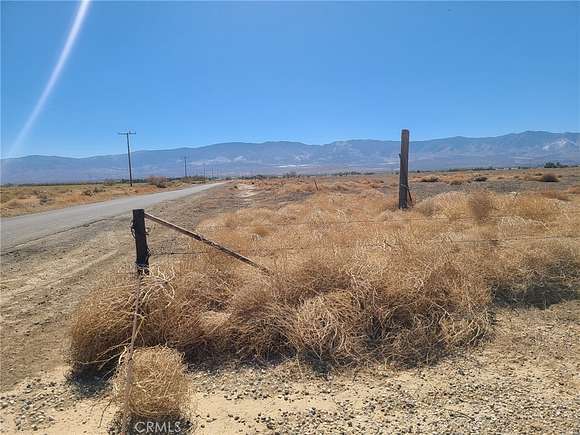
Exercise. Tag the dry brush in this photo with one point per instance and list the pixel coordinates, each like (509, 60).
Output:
(354, 280)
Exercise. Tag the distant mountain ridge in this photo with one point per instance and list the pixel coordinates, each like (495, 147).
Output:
(528, 148)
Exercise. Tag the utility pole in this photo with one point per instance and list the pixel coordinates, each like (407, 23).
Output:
(204, 172)
(185, 166)
(127, 133)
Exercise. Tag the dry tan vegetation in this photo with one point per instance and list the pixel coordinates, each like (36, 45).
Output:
(315, 185)
(557, 194)
(160, 386)
(457, 178)
(18, 200)
(353, 279)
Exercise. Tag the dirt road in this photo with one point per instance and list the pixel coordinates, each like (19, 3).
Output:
(20, 229)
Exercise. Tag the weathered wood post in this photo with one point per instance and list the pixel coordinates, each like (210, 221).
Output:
(404, 192)
(140, 234)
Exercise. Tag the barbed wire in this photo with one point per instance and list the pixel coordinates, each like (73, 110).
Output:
(371, 221)
(382, 245)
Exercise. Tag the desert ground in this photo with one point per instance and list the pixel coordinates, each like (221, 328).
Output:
(520, 377)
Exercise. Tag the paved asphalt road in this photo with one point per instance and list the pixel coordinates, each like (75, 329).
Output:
(20, 229)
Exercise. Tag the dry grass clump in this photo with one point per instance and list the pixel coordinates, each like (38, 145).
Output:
(158, 181)
(329, 328)
(480, 205)
(483, 205)
(102, 324)
(160, 386)
(549, 178)
(413, 301)
(352, 279)
(534, 207)
(556, 194)
(451, 205)
(309, 185)
(538, 272)
(429, 179)
(256, 325)
(542, 177)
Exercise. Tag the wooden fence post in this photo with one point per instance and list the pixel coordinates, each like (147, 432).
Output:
(404, 192)
(140, 234)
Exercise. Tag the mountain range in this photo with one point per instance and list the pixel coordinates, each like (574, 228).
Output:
(529, 148)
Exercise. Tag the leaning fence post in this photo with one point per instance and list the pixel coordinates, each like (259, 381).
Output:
(140, 235)
(404, 192)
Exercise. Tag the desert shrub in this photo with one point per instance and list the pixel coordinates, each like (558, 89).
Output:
(211, 325)
(158, 181)
(321, 272)
(101, 325)
(535, 207)
(430, 179)
(548, 178)
(555, 194)
(261, 230)
(479, 178)
(537, 273)
(426, 207)
(480, 205)
(43, 197)
(456, 182)
(357, 280)
(257, 324)
(160, 386)
(329, 328)
(425, 287)
(452, 205)
(90, 191)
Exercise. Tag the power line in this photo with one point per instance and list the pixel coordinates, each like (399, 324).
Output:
(383, 245)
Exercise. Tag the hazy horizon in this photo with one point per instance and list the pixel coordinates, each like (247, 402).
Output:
(168, 148)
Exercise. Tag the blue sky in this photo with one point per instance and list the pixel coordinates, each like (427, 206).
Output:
(191, 74)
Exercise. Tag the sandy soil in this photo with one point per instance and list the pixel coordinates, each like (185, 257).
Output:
(525, 379)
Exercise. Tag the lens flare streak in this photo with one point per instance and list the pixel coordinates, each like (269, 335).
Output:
(55, 75)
